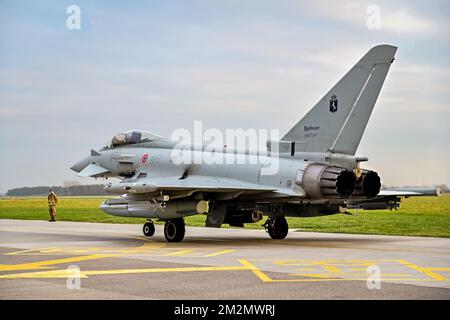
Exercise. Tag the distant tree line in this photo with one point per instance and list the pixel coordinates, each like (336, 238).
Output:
(80, 190)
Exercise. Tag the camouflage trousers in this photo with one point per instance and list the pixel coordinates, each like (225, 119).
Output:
(52, 211)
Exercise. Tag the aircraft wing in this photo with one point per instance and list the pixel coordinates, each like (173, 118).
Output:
(408, 192)
(196, 183)
(391, 198)
(207, 184)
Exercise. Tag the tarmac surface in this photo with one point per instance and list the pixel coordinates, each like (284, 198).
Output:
(72, 260)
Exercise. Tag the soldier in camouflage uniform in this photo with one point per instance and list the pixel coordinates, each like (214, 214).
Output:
(52, 201)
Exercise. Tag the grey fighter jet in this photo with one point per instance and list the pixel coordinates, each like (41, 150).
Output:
(317, 172)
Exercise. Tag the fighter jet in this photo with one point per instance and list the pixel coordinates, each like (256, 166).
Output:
(318, 173)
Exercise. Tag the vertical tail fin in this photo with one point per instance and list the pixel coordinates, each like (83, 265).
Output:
(337, 122)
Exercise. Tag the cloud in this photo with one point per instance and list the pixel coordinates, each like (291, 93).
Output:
(402, 21)
(393, 19)
(233, 67)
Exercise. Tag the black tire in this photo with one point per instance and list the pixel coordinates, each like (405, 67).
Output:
(279, 228)
(174, 230)
(149, 229)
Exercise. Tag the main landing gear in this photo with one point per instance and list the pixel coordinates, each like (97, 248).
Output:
(276, 225)
(174, 229)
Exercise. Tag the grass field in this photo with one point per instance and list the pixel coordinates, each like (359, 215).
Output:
(421, 216)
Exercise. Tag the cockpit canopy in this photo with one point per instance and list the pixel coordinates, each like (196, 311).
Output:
(131, 137)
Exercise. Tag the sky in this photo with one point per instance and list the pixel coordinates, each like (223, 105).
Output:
(161, 65)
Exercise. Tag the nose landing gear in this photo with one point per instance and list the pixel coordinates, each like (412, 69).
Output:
(149, 228)
(174, 229)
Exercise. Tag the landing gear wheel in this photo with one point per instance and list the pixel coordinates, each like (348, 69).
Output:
(278, 228)
(174, 230)
(149, 229)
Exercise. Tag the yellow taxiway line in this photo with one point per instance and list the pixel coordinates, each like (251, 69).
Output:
(67, 273)
(256, 271)
(178, 253)
(219, 253)
(245, 265)
(49, 263)
(426, 271)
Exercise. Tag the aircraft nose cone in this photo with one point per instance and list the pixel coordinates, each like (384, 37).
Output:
(80, 165)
